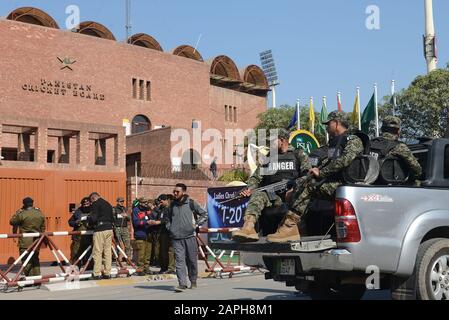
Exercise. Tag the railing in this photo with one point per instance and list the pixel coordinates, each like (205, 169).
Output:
(76, 271)
(185, 172)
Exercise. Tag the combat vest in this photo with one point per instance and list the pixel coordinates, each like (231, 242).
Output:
(318, 156)
(286, 167)
(84, 222)
(364, 168)
(393, 170)
(120, 220)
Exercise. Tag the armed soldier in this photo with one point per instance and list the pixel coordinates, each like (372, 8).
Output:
(343, 149)
(28, 220)
(79, 222)
(388, 144)
(122, 220)
(288, 165)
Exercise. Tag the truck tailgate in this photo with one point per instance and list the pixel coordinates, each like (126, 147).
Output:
(306, 244)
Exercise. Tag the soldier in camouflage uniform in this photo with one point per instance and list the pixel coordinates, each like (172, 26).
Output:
(79, 222)
(28, 220)
(391, 128)
(343, 149)
(122, 220)
(289, 164)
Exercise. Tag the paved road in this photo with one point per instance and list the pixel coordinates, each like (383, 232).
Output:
(248, 287)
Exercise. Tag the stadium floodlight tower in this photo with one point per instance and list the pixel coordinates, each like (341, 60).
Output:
(430, 42)
(128, 26)
(269, 68)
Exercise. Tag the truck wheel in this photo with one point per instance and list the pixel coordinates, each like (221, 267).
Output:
(328, 291)
(432, 270)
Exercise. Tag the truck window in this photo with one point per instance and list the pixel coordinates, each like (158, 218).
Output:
(446, 162)
(422, 156)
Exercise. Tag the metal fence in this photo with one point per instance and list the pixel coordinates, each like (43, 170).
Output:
(185, 172)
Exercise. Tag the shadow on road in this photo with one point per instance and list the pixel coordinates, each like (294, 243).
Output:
(165, 288)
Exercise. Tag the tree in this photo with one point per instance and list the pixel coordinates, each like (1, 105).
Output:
(423, 107)
(280, 118)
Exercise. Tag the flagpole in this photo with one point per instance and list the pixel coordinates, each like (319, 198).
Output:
(312, 129)
(325, 103)
(376, 111)
(339, 101)
(298, 113)
(393, 97)
(359, 111)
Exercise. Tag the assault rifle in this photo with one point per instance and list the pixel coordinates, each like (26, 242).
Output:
(285, 185)
(270, 189)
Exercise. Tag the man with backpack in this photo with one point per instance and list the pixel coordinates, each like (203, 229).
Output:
(185, 217)
(388, 146)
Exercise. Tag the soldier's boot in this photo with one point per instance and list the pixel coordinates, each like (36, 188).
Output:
(248, 232)
(287, 231)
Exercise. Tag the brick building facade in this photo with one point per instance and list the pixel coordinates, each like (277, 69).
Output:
(79, 101)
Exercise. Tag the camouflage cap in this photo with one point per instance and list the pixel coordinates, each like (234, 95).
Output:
(339, 116)
(282, 134)
(391, 122)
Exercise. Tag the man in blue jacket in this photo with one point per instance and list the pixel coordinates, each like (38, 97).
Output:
(141, 220)
(185, 217)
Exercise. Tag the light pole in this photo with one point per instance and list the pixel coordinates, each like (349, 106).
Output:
(430, 48)
(269, 68)
(128, 19)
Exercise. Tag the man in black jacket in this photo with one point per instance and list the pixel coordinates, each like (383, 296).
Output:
(185, 217)
(102, 221)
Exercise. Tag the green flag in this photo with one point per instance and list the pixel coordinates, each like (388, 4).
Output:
(368, 115)
(321, 129)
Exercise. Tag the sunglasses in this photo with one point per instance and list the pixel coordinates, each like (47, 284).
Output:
(176, 191)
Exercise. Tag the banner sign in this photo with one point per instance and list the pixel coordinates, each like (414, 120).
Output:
(228, 215)
(304, 140)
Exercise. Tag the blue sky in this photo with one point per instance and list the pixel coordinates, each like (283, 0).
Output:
(320, 46)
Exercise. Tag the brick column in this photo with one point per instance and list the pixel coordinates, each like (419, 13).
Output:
(82, 147)
(40, 145)
(100, 152)
(23, 147)
(64, 150)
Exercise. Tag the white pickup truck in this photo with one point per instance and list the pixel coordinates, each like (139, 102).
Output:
(389, 237)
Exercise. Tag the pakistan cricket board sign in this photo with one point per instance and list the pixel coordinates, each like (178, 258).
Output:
(305, 140)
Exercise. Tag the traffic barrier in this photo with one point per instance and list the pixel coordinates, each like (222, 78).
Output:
(69, 271)
(228, 269)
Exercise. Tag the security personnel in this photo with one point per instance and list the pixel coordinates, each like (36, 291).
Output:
(343, 149)
(287, 164)
(141, 222)
(28, 220)
(166, 252)
(122, 226)
(102, 220)
(79, 222)
(389, 142)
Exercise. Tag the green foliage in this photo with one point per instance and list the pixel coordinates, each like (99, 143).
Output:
(423, 107)
(280, 118)
(234, 175)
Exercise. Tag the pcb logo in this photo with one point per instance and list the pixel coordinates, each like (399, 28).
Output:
(66, 63)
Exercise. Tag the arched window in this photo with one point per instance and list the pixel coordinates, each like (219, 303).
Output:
(140, 124)
(223, 67)
(188, 52)
(33, 16)
(145, 40)
(95, 29)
